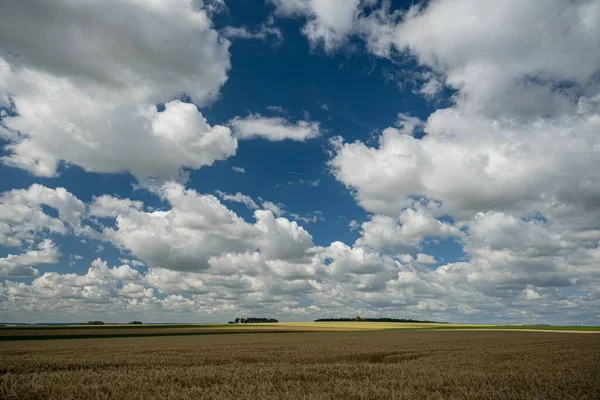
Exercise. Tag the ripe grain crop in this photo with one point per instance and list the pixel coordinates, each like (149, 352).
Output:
(314, 365)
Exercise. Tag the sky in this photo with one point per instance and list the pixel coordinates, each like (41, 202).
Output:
(197, 161)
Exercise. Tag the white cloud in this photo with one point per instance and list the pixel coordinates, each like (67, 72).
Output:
(73, 258)
(402, 234)
(101, 289)
(328, 22)
(142, 67)
(108, 81)
(21, 265)
(510, 253)
(197, 228)
(183, 238)
(281, 238)
(239, 198)
(263, 32)
(22, 215)
(472, 164)
(276, 209)
(488, 63)
(135, 263)
(239, 169)
(312, 217)
(308, 182)
(273, 129)
(277, 109)
(208, 261)
(513, 160)
(110, 206)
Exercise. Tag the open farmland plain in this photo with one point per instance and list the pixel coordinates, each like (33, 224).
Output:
(363, 364)
(39, 332)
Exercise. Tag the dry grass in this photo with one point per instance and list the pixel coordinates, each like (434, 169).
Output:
(349, 365)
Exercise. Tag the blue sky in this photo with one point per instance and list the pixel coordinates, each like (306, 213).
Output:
(299, 159)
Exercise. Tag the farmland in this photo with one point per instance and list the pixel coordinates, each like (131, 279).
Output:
(387, 364)
(36, 332)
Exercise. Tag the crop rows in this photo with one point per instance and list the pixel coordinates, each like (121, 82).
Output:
(349, 365)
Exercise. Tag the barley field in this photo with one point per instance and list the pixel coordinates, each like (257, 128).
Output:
(309, 365)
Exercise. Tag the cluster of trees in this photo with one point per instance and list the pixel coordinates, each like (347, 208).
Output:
(358, 318)
(135, 323)
(95, 323)
(253, 320)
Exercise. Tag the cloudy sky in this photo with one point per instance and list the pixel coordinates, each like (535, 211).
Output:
(190, 160)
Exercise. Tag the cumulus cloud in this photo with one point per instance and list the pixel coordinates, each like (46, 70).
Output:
(274, 129)
(327, 22)
(23, 216)
(21, 265)
(110, 206)
(513, 160)
(240, 170)
(198, 228)
(108, 81)
(281, 238)
(101, 289)
(184, 237)
(405, 233)
(202, 258)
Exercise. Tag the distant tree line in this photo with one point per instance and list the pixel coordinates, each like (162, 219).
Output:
(253, 320)
(95, 323)
(414, 321)
(135, 323)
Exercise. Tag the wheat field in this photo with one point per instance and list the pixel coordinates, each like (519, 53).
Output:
(310, 365)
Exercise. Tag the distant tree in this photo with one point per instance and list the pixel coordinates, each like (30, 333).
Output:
(95, 323)
(358, 318)
(135, 323)
(376, 320)
(255, 320)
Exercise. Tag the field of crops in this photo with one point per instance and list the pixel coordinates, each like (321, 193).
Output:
(12, 333)
(310, 365)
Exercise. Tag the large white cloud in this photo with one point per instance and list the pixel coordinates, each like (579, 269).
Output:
(281, 238)
(549, 44)
(514, 161)
(109, 55)
(93, 102)
(197, 228)
(472, 164)
(184, 237)
(405, 233)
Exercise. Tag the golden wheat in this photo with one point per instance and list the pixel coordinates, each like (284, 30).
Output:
(345, 365)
